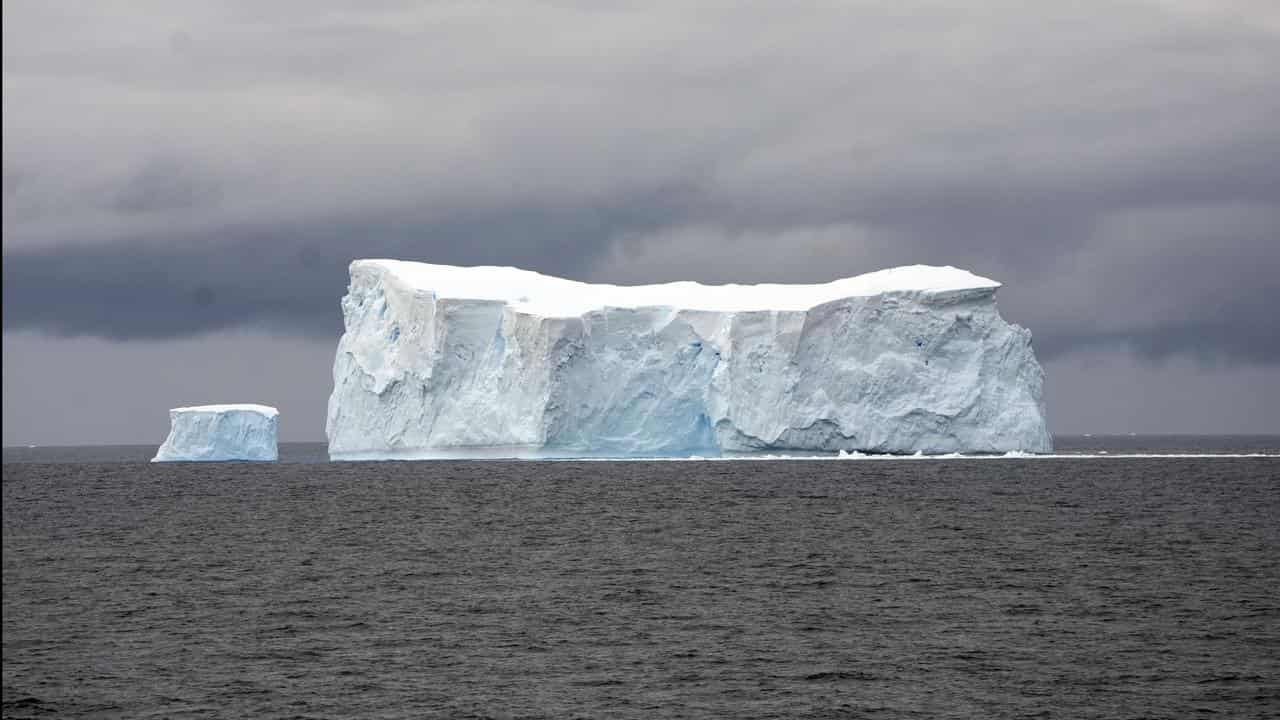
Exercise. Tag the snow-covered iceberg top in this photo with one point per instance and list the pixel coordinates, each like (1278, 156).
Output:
(441, 361)
(242, 431)
(537, 294)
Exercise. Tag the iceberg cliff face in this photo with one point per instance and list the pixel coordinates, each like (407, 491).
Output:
(441, 361)
(221, 432)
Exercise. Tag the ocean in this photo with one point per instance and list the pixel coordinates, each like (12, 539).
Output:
(1129, 577)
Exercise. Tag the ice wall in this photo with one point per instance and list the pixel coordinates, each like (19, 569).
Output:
(441, 361)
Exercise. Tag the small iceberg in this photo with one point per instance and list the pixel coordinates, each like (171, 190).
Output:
(211, 433)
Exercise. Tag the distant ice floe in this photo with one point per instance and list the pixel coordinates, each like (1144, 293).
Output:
(812, 457)
(1015, 455)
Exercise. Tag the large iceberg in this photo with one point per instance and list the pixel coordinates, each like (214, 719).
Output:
(442, 361)
(221, 432)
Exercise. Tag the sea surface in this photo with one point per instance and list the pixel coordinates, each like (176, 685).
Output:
(1128, 577)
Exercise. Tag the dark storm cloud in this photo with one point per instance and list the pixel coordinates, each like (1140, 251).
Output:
(185, 168)
(286, 278)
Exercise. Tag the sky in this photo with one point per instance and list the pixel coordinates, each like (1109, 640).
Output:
(185, 182)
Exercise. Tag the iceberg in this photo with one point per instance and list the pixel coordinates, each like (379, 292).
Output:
(441, 361)
(221, 432)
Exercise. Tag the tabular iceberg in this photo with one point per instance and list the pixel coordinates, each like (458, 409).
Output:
(442, 361)
(221, 432)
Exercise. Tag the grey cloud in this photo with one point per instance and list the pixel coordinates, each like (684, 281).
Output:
(181, 169)
(287, 278)
(165, 185)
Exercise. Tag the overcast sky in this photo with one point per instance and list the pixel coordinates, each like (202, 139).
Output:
(185, 183)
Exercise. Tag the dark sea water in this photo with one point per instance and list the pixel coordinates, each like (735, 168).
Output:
(1076, 587)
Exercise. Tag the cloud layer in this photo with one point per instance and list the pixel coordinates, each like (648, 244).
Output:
(172, 169)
